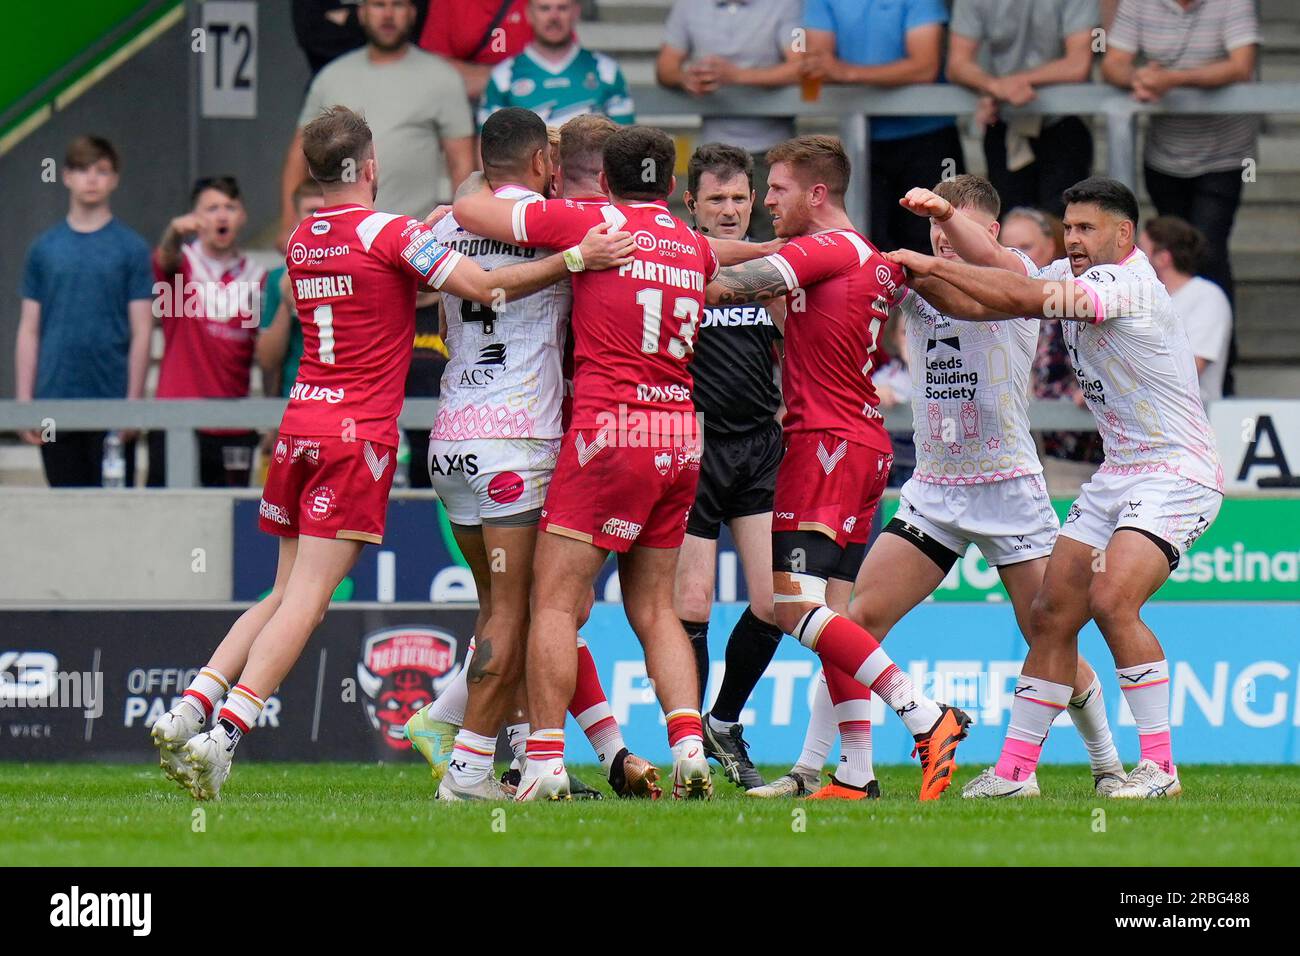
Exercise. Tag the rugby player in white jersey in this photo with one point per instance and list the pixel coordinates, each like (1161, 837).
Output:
(1158, 489)
(977, 481)
(491, 455)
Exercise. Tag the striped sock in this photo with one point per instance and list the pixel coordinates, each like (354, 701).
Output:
(853, 715)
(1146, 689)
(546, 744)
(240, 712)
(1037, 704)
(590, 708)
(471, 758)
(684, 724)
(204, 692)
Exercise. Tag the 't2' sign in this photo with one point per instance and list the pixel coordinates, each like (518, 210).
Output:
(229, 55)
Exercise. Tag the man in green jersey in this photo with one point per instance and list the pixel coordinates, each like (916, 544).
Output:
(555, 76)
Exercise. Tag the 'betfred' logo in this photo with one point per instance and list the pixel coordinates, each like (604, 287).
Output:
(401, 670)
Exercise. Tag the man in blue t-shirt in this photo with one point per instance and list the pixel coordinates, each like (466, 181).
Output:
(888, 44)
(86, 315)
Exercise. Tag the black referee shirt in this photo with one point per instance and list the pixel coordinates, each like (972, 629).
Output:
(734, 365)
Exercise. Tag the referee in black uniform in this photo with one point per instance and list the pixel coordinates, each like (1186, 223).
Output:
(735, 368)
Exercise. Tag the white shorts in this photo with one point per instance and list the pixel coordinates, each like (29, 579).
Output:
(488, 479)
(1175, 510)
(1009, 521)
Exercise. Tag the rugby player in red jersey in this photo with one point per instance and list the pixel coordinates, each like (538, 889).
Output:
(838, 290)
(355, 274)
(630, 460)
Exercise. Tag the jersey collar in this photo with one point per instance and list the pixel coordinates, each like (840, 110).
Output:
(555, 69)
(338, 211)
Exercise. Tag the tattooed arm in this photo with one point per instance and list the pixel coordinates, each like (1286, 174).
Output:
(756, 281)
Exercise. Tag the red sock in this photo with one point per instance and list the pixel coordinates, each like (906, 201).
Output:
(684, 723)
(587, 692)
(838, 641)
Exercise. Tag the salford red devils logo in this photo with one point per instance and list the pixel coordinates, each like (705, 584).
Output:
(321, 502)
(402, 669)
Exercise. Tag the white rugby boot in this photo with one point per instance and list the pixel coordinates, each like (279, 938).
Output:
(543, 780)
(208, 756)
(799, 782)
(691, 776)
(989, 784)
(1147, 781)
(1106, 782)
(169, 733)
(489, 788)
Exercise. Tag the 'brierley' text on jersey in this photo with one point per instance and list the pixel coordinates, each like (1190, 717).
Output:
(355, 273)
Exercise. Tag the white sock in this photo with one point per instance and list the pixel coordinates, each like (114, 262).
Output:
(820, 736)
(1037, 704)
(1146, 689)
(721, 726)
(471, 758)
(887, 679)
(449, 706)
(517, 735)
(603, 733)
(854, 719)
(1088, 711)
(205, 692)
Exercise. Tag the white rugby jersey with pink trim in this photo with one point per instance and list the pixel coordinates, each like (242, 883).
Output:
(503, 379)
(970, 395)
(1138, 374)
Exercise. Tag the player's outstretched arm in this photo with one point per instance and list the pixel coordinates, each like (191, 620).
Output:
(1003, 292)
(601, 248)
(732, 252)
(973, 242)
(756, 281)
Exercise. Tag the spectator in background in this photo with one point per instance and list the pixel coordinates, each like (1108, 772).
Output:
(1022, 45)
(1193, 164)
(556, 77)
(209, 303)
(1176, 250)
(709, 44)
(279, 340)
(85, 320)
(475, 35)
(889, 43)
(1069, 458)
(326, 29)
(415, 104)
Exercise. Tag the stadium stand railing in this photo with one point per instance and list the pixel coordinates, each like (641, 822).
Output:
(852, 108)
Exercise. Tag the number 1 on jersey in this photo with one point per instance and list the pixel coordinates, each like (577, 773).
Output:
(652, 311)
(323, 316)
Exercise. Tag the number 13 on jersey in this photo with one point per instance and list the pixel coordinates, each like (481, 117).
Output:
(680, 345)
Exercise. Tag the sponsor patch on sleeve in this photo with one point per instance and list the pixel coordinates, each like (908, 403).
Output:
(424, 253)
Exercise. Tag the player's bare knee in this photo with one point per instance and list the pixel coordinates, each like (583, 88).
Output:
(1111, 607)
(788, 615)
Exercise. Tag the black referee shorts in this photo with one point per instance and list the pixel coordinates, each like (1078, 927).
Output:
(737, 478)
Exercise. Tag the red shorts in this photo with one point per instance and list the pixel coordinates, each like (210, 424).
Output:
(612, 494)
(327, 488)
(830, 485)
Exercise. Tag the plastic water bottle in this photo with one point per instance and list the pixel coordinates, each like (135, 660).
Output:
(402, 474)
(113, 469)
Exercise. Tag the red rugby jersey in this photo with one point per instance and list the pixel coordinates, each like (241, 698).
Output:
(633, 327)
(843, 288)
(355, 273)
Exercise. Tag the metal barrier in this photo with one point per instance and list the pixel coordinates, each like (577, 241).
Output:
(178, 418)
(853, 106)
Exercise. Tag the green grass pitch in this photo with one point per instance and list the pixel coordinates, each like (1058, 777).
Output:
(384, 814)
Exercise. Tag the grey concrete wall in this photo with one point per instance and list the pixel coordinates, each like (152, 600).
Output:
(143, 108)
(111, 546)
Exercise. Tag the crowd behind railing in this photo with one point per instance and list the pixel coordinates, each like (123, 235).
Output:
(427, 73)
